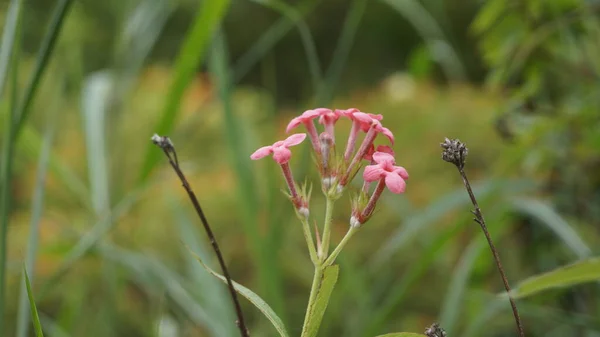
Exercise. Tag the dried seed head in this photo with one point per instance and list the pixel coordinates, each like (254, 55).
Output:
(454, 152)
(435, 331)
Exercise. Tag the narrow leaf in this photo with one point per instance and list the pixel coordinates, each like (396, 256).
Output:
(330, 275)
(34, 313)
(579, 272)
(258, 302)
(189, 58)
(402, 334)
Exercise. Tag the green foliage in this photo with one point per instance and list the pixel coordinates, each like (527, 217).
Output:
(34, 314)
(110, 259)
(587, 270)
(402, 334)
(317, 310)
(258, 302)
(190, 57)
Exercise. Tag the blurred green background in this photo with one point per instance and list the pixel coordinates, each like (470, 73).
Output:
(102, 223)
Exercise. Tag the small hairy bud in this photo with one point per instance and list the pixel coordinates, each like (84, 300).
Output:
(163, 142)
(454, 152)
(354, 222)
(435, 331)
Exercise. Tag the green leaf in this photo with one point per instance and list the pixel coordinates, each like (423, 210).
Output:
(258, 302)
(579, 272)
(330, 275)
(34, 313)
(189, 58)
(402, 334)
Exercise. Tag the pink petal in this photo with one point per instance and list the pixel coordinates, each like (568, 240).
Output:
(376, 117)
(261, 153)
(373, 173)
(310, 114)
(363, 118)
(322, 111)
(382, 157)
(369, 155)
(395, 183)
(401, 171)
(294, 139)
(348, 112)
(385, 149)
(386, 132)
(294, 123)
(282, 155)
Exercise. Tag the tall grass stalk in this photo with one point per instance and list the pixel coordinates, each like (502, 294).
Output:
(269, 274)
(32, 244)
(188, 60)
(8, 58)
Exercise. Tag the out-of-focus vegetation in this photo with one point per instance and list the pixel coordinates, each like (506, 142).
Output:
(102, 225)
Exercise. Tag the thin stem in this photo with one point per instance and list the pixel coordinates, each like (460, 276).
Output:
(479, 219)
(314, 290)
(327, 228)
(331, 259)
(309, 241)
(168, 148)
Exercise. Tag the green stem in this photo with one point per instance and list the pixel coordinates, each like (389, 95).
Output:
(331, 259)
(309, 241)
(327, 228)
(314, 290)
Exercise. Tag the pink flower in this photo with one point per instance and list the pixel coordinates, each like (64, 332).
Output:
(328, 118)
(385, 169)
(306, 118)
(381, 148)
(364, 120)
(280, 150)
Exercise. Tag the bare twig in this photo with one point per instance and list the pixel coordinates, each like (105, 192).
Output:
(167, 146)
(456, 152)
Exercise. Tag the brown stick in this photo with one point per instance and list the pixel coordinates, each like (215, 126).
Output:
(456, 152)
(167, 146)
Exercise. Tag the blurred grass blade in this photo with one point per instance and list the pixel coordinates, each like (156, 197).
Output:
(150, 273)
(546, 215)
(258, 302)
(269, 39)
(308, 42)
(95, 99)
(429, 216)
(36, 214)
(402, 334)
(92, 237)
(142, 29)
(11, 60)
(439, 47)
(413, 274)
(34, 314)
(46, 49)
(204, 285)
(9, 33)
(30, 147)
(189, 59)
(269, 272)
(341, 52)
(455, 294)
(424, 219)
(328, 281)
(579, 272)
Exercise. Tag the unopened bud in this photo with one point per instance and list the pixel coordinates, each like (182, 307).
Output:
(303, 212)
(454, 152)
(354, 222)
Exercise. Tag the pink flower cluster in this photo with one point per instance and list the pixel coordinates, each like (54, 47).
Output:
(337, 173)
